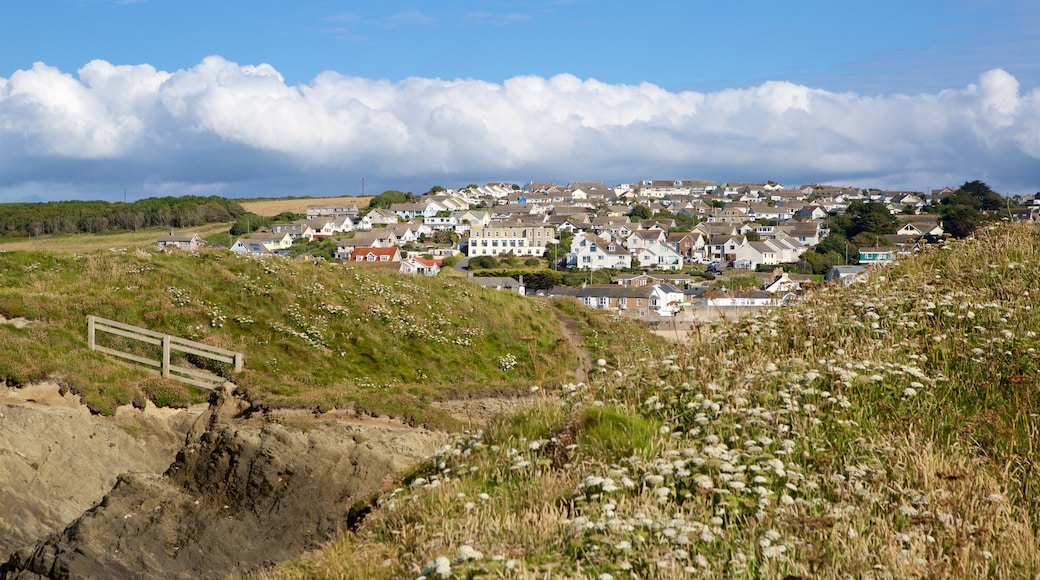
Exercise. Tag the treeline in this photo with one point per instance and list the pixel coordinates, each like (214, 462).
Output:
(72, 217)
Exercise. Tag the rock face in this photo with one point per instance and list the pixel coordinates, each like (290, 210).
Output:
(56, 460)
(237, 498)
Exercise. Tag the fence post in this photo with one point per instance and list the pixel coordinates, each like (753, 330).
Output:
(90, 332)
(166, 356)
(238, 362)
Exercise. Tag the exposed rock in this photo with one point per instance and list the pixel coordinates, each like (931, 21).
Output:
(57, 460)
(237, 498)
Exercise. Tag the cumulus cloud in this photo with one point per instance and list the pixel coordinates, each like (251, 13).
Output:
(235, 127)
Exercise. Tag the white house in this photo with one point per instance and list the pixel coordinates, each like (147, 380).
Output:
(589, 252)
(659, 255)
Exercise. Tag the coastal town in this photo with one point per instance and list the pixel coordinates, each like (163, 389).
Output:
(670, 246)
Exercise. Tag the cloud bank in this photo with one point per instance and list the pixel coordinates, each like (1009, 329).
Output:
(240, 130)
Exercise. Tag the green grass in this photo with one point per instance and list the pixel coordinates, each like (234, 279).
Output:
(883, 430)
(313, 335)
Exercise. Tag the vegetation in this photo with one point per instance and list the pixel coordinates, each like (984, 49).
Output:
(391, 196)
(885, 430)
(70, 217)
(313, 335)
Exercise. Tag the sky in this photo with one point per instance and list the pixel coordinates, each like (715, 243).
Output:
(127, 99)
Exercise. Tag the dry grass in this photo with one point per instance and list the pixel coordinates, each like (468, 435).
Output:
(881, 431)
(273, 207)
(91, 243)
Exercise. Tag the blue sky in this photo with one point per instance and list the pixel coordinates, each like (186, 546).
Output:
(164, 97)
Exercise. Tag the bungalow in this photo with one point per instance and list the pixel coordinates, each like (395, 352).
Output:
(183, 240)
(420, 266)
(656, 299)
(299, 230)
(729, 299)
(500, 283)
(274, 242)
(876, 256)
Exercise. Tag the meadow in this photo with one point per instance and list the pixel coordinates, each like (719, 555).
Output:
(315, 335)
(885, 430)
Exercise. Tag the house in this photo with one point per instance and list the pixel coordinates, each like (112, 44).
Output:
(375, 255)
(649, 279)
(655, 299)
(758, 298)
(518, 240)
(642, 239)
(377, 217)
(500, 283)
(420, 266)
(323, 227)
(753, 254)
(243, 246)
(689, 245)
(190, 241)
(659, 255)
(782, 283)
(333, 211)
(407, 211)
(846, 275)
(297, 231)
(589, 252)
(272, 241)
(724, 248)
(919, 225)
(876, 255)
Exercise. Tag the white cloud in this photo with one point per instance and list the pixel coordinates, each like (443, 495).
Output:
(226, 124)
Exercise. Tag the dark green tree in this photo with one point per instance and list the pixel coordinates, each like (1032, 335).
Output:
(872, 218)
(988, 199)
(960, 220)
(640, 212)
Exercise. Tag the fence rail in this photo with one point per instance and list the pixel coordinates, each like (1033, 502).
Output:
(169, 344)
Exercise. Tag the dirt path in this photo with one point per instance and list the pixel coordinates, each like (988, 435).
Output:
(569, 328)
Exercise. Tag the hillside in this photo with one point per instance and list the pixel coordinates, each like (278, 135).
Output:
(314, 335)
(882, 430)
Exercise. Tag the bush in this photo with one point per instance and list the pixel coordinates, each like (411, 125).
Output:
(483, 263)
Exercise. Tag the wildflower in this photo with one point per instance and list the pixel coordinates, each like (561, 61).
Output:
(442, 567)
(909, 392)
(467, 552)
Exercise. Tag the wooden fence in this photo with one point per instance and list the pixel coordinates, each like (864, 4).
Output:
(169, 344)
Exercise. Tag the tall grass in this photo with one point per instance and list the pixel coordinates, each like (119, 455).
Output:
(314, 335)
(881, 430)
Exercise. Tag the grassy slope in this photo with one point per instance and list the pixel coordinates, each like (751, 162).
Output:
(318, 335)
(883, 430)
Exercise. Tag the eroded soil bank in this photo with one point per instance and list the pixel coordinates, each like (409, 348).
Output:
(240, 494)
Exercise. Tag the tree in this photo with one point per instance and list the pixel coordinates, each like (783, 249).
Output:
(988, 199)
(389, 197)
(960, 220)
(872, 218)
(641, 212)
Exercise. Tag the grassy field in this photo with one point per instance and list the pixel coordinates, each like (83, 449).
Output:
(886, 430)
(315, 335)
(273, 207)
(91, 243)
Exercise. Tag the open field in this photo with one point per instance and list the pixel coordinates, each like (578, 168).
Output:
(88, 243)
(273, 207)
